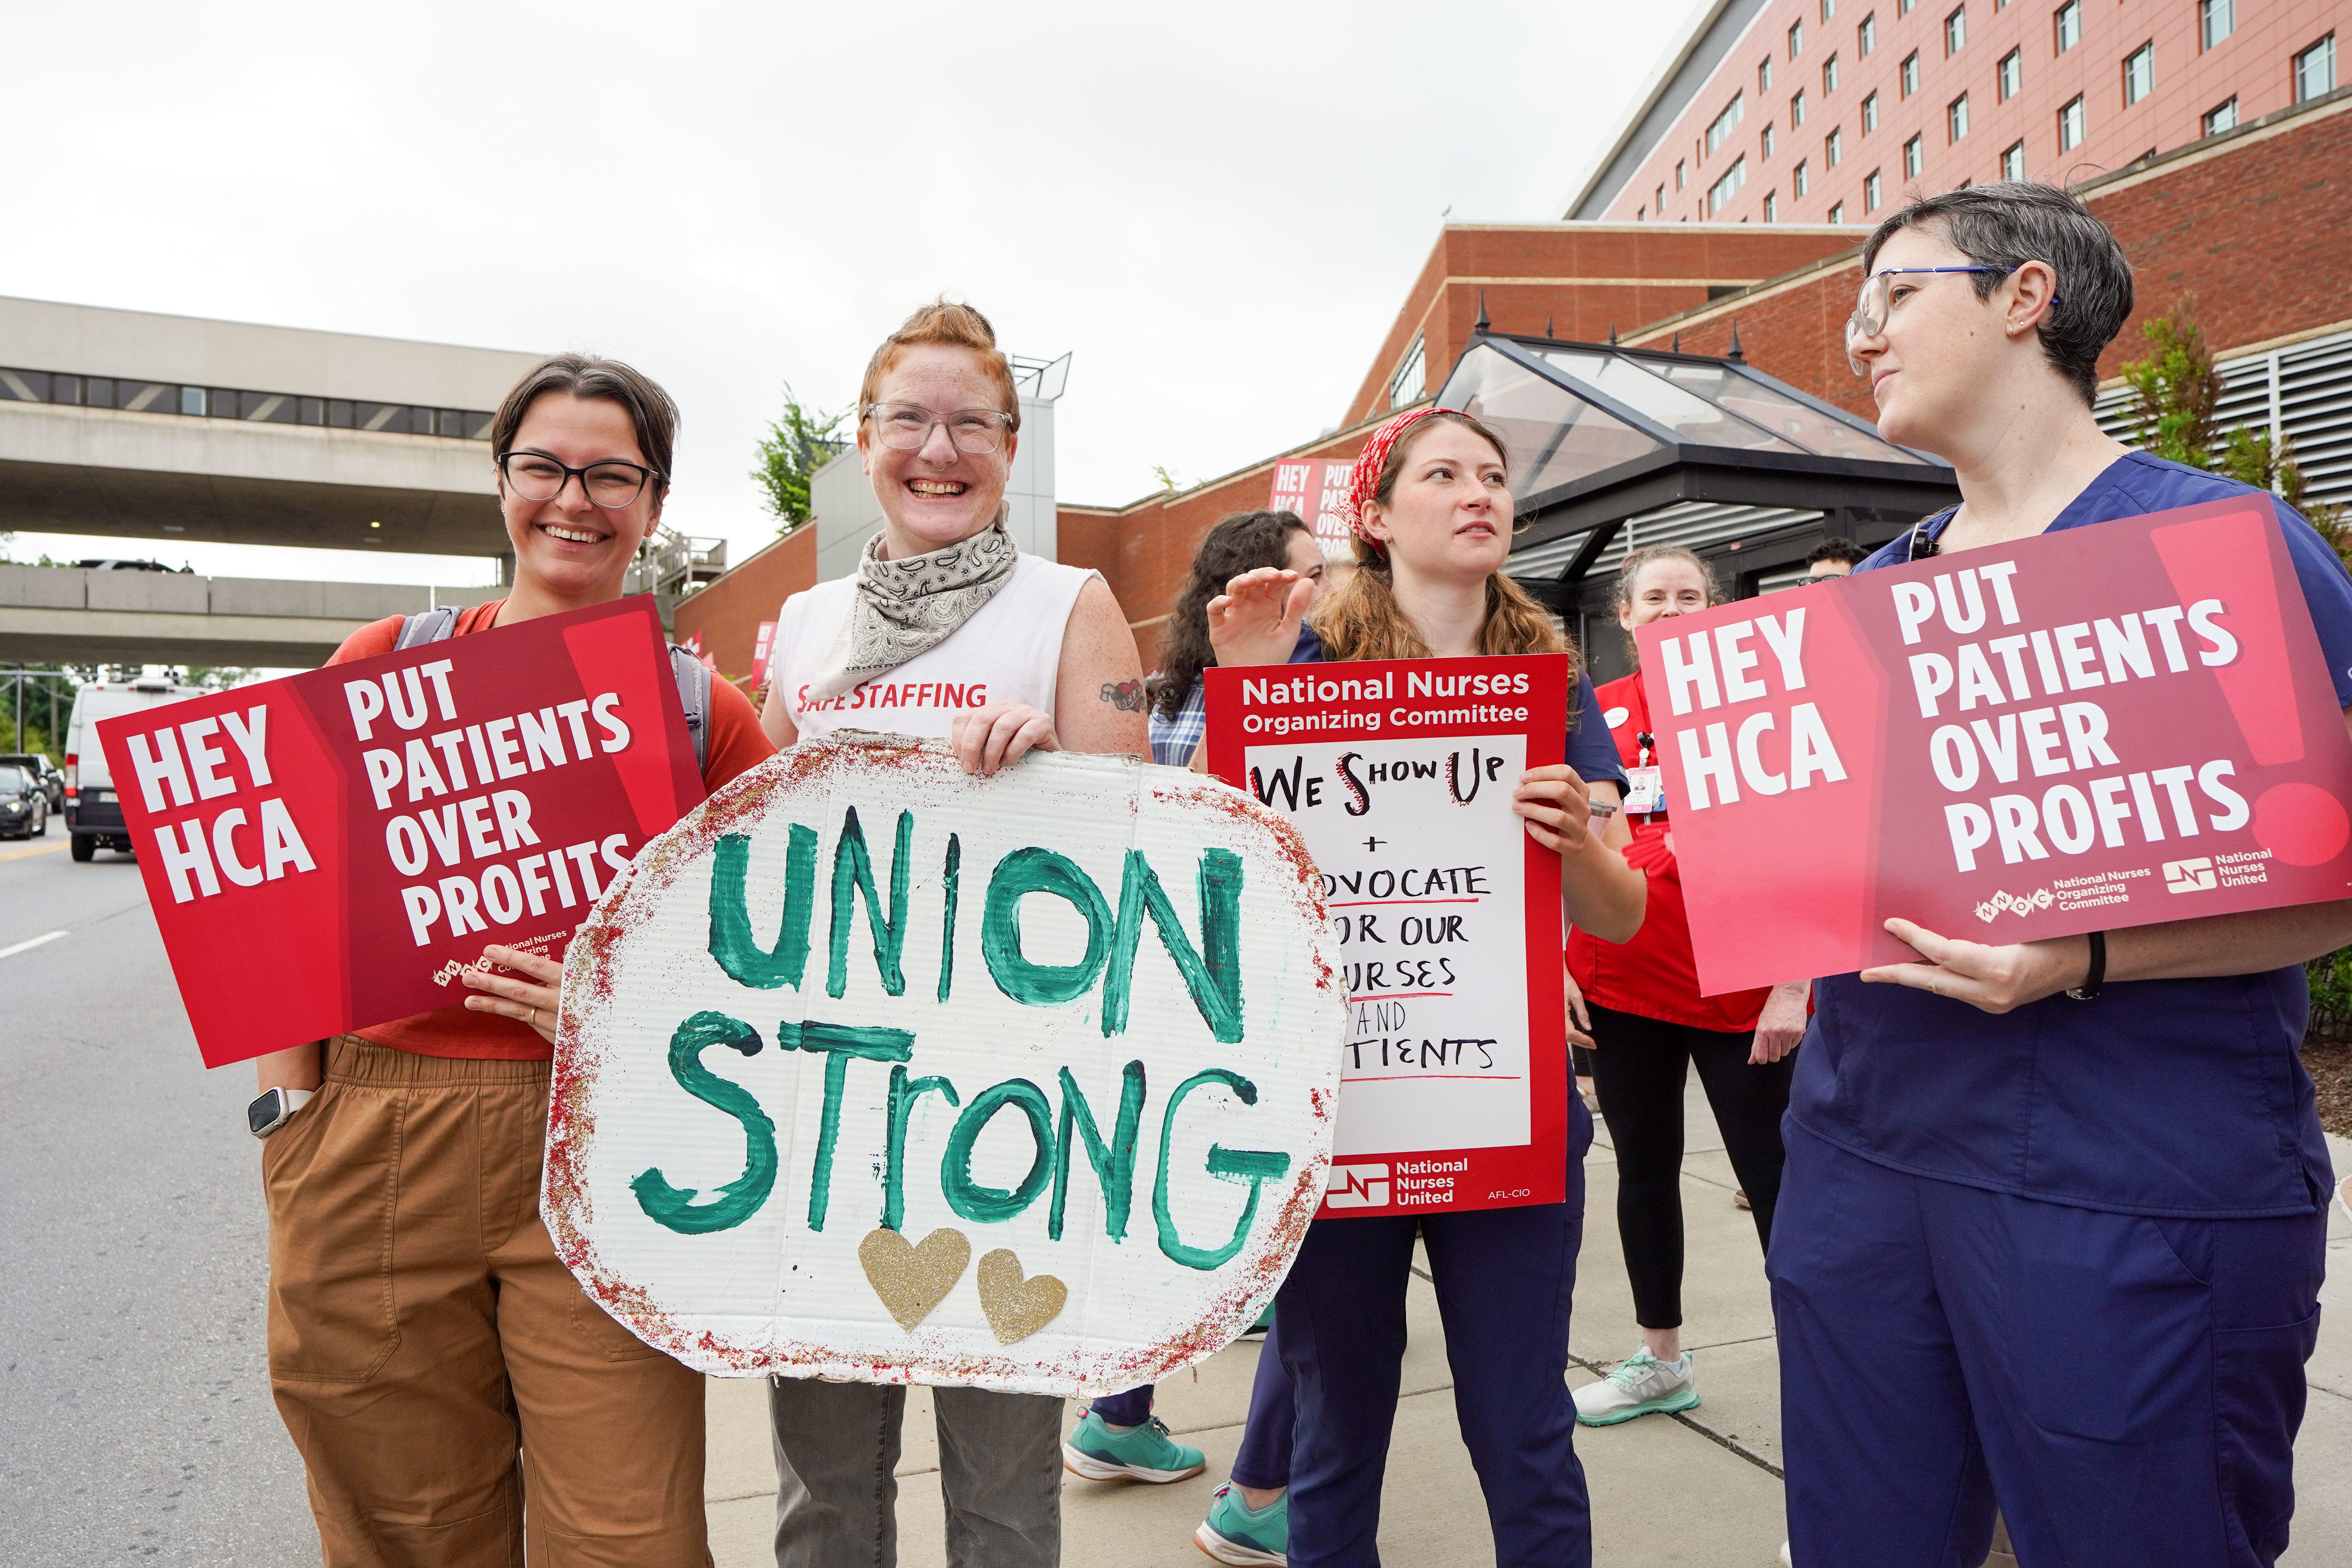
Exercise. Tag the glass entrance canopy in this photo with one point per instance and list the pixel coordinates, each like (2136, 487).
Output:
(1599, 432)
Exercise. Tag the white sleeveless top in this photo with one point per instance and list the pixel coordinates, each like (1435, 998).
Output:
(1010, 651)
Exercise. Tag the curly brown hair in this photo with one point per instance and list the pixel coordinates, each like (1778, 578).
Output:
(1241, 542)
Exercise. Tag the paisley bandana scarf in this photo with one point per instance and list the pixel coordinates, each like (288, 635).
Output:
(911, 606)
(1365, 477)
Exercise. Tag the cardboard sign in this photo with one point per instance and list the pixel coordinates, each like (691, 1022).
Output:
(2107, 726)
(335, 848)
(875, 1070)
(1315, 488)
(1399, 775)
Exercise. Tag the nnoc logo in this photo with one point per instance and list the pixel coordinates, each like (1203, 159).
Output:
(2191, 876)
(1358, 1187)
(2020, 904)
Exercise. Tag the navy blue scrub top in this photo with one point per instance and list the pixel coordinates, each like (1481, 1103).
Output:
(2158, 1096)
(1590, 751)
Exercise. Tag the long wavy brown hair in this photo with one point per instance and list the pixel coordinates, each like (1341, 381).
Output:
(1363, 619)
(1240, 542)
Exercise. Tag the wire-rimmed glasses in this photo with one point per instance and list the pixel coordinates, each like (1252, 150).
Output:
(1870, 310)
(904, 426)
(611, 484)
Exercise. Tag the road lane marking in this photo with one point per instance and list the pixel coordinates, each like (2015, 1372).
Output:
(37, 849)
(26, 946)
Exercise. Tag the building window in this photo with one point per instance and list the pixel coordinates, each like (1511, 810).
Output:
(2011, 76)
(1802, 180)
(1833, 148)
(1910, 74)
(1829, 9)
(1680, 174)
(2067, 25)
(2314, 69)
(1956, 31)
(1768, 139)
(1903, 8)
(2216, 20)
(2070, 125)
(1410, 382)
(1725, 123)
(2139, 74)
(1719, 195)
(1915, 157)
(2012, 162)
(1764, 75)
(1956, 117)
(1796, 108)
(1865, 37)
(1870, 114)
(1837, 213)
(1771, 206)
(2221, 119)
(1828, 75)
(1796, 39)
(1873, 189)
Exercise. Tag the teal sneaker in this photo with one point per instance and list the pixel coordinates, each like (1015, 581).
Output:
(1642, 1385)
(1144, 1453)
(1234, 1534)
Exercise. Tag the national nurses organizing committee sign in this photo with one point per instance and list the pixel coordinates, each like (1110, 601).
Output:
(1400, 775)
(2107, 726)
(335, 848)
(879, 1071)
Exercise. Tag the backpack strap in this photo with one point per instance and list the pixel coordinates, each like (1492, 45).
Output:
(424, 626)
(694, 696)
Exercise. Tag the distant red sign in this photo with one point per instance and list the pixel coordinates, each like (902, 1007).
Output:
(1315, 488)
(333, 850)
(760, 649)
(2107, 726)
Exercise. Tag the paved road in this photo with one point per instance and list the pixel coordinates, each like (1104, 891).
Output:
(133, 1395)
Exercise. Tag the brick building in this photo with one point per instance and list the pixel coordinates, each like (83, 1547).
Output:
(2248, 223)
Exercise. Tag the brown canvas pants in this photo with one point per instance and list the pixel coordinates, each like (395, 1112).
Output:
(434, 1362)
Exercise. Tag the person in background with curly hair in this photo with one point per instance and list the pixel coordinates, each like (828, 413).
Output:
(1240, 542)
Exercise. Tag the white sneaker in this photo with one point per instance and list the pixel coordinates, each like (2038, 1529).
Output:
(1787, 1561)
(1641, 1385)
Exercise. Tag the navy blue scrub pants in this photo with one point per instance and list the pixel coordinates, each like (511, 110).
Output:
(2128, 1389)
(1503, 1278)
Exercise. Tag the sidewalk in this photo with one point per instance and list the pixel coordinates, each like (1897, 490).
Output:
(1714, 1471)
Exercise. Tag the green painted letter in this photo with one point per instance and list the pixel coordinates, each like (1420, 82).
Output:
(742, 1196)
(904, 1092)
(985, 1204)
(732, 942)
(1113, 1165)
(1041, 871)
(1255, 1167)
(1212, 972)
(842, 1043)
(853, 873)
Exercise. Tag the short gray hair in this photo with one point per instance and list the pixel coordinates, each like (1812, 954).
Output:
(2008, 223)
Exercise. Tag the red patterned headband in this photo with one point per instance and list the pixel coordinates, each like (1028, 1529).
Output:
(1366, 476)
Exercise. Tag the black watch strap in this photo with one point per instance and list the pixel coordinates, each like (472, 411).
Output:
(2098, 977)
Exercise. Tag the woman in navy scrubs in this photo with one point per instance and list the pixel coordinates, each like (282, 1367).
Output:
(1431, 503)
(2053, 1223)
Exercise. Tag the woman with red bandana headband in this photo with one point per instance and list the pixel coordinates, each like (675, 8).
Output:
(1432, 509)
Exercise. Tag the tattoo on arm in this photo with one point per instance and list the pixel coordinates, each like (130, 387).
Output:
(1127, 696)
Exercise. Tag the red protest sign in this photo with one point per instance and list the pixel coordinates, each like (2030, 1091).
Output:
(1400, 775)
(332, 849)
(1315, 488)
(760, 649)
(2107, 726)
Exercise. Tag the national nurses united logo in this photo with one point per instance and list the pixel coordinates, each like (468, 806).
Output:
(2195, 875)
(1358, 1186)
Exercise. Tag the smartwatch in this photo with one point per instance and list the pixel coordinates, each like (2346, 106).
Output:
(274, 1109)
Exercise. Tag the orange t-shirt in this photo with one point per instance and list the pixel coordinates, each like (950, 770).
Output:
(737, 745)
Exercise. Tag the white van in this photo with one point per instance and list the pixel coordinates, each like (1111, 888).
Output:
(93, 812)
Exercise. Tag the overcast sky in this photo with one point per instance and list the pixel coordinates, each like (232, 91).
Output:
(1216, 208)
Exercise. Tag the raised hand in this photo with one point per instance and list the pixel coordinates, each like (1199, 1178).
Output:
(1255, 620)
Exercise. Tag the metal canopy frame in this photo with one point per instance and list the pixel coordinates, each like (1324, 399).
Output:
(1850, 491)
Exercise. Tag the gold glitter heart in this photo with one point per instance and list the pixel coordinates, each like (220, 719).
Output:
(1017, 1308)
(911, 1279)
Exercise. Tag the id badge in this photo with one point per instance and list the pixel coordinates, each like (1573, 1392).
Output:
(1645, 790)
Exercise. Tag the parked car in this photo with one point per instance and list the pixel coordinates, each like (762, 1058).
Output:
(117, 564)
(44, 774)
(93, 814)
(23, 809)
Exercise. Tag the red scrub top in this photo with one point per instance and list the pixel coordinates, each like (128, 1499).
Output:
(1654, 976)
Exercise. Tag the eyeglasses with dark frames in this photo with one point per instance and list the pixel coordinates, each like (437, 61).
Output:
(610, 484)
(905, 426)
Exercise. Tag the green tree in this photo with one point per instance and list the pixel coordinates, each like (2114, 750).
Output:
(795, 447)
(2174, 390)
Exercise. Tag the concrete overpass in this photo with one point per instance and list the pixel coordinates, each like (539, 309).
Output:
(128, 424)
(57, 615)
